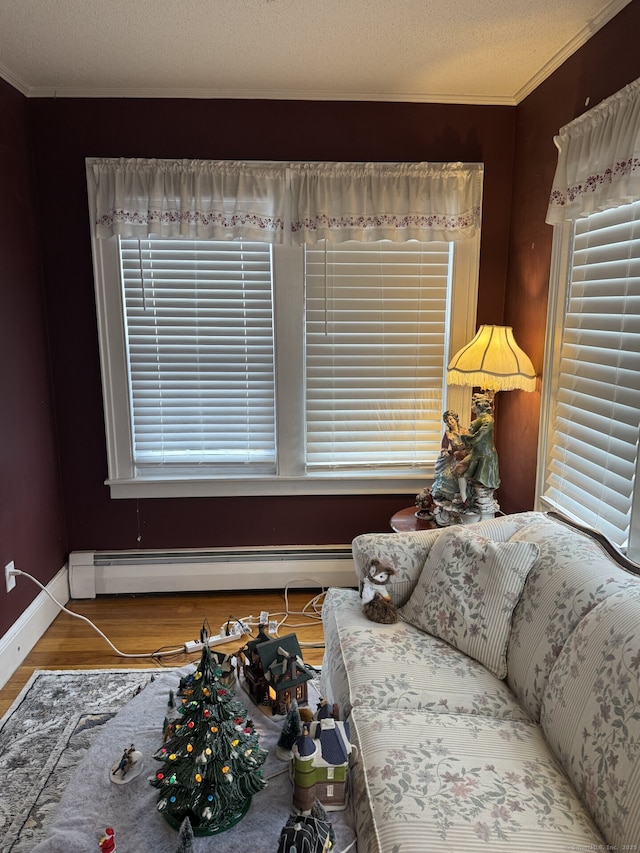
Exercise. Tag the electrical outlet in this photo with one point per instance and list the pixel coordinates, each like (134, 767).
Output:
(264, 617)
(9, 579)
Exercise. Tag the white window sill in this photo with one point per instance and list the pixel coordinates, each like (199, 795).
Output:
(332, 483)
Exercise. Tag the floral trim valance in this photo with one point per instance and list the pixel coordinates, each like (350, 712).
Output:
(599, 161)
(284, 202)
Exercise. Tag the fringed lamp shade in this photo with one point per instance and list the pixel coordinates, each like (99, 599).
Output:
(492, 361)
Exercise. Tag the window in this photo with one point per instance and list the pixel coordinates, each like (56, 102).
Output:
(375, 350)
(200, 354)
(279, 328)
(588, 464)
(226, 376)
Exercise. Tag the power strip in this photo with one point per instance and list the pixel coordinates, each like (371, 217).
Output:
(235, 628)
(196, 646)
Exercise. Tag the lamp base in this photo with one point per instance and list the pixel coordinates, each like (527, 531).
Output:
(485, 502)
(446, 514)
(481, 506)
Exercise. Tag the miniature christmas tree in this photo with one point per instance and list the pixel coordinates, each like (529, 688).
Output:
(185, 837)
(291, 731)
(211, 758)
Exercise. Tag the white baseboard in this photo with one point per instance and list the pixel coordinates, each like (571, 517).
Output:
(25, 632)
(94, 573)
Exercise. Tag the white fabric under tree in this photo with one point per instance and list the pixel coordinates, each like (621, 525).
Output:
(599, 160)
(293, 203)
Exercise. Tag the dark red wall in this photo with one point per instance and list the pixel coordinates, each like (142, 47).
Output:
(608, 61)
(31, 521)
(67, 131)
(42, 517)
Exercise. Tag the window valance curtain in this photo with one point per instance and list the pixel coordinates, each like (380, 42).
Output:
(371, 201)
(599, 160)
(284, 202)
(186, 198)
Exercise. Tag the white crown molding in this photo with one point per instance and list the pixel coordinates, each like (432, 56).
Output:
(8, 75)
(571, 47)
(263, 94)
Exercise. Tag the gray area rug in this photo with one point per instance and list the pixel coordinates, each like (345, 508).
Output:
(67, 729)
(43, 736)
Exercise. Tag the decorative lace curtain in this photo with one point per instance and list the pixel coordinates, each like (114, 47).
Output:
(377, 201)
(282, 202)
(197, 199)
(599, 161)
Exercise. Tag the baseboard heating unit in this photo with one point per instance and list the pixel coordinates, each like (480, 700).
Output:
(93, 573)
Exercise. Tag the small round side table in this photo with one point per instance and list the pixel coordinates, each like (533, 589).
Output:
(405, 521)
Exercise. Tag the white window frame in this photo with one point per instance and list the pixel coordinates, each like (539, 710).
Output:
(559, 284)
(291, 478)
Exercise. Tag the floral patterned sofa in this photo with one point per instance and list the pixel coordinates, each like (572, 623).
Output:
(502, 711)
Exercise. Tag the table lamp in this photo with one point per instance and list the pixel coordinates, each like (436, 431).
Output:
(492, 361)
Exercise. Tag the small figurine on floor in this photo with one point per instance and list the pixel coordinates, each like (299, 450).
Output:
(125, 762)
(376, 601)
(129, 766)
(107, 841)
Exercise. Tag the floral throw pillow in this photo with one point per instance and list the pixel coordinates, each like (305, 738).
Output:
(467, 591)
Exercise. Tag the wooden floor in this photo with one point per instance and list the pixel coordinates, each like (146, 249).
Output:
(144, 625)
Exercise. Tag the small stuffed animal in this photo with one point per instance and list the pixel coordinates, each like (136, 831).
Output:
(376, 602)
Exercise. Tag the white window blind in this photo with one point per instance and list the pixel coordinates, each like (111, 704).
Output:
(376, 344)
(593, 448)
(199, 335)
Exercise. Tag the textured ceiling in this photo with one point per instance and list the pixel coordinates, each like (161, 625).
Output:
(471, 51)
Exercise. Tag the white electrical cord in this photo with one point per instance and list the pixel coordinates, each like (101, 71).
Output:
(314, 616)
(95, 627)
(249, 621)
(311, 611)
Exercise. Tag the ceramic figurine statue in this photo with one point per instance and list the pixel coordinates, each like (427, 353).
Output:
(449, 473)
(107, 841)
(481, 462)
(466, 472)
(129, 766)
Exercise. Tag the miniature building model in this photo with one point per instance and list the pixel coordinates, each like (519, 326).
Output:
(275, 672)
(305, 835)
(320, 765)
(252, 666)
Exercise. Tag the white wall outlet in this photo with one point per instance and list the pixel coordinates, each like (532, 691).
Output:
(9, 579)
